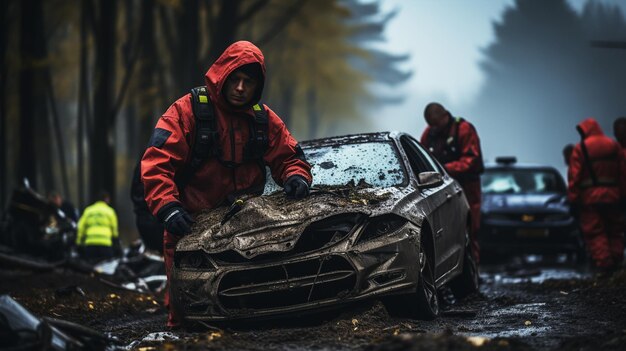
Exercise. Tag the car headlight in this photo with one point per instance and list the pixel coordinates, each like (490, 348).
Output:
(193, 260)
(381, 225)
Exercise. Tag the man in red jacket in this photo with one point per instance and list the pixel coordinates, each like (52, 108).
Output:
(242, 137)
(455, 144)
(596, 177)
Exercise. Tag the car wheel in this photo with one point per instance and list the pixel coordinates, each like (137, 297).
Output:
(424, 302)
(466, 283)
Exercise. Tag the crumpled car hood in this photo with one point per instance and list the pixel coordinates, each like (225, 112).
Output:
(274, 223)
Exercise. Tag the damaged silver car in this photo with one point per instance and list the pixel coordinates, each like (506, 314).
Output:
(383, 219)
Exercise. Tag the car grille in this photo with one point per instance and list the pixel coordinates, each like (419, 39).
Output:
(285, 285)
(318, 235)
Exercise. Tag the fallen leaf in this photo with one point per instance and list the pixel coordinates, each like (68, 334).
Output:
(477, 340)
(214, 335)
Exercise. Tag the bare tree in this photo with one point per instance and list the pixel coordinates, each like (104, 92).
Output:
(33, 112)
(102, 160)
(4, 28)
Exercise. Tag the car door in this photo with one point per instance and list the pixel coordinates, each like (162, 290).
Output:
(435, 198)
(451, 240)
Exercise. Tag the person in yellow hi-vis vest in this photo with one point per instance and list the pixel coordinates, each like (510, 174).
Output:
(98, 237)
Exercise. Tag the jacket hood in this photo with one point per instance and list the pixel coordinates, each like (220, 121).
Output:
(236, 55)
(588, 128)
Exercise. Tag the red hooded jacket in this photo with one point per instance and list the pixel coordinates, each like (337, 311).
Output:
(170, 148)
(607, 163)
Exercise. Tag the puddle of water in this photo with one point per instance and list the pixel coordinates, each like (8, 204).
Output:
(520, 322)
(157, 336)
(538, 276)
(518, 333)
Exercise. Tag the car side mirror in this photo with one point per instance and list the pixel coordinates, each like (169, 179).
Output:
(427, 180)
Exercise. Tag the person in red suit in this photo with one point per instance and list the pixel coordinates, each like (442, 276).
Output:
(243, 137)
(596, 179)
(456, 145)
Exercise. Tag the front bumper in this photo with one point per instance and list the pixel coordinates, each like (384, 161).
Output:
(504, 237)
(338, 274)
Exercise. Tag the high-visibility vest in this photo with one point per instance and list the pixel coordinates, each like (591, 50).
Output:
(97, 226)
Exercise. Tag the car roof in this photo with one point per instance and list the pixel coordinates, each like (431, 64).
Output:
(350, 139)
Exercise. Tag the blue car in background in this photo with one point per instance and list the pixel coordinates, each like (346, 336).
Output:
(525, 211)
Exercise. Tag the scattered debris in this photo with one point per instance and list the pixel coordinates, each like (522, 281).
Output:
(69, 290)
(22, 330)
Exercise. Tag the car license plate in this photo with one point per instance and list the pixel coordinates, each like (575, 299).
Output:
(532, 233)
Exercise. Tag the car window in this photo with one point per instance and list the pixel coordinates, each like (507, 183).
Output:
(427, 156)
(520, 181)
(416, 155)
(377, 164)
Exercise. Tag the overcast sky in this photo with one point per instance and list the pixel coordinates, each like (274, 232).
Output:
(444, 38)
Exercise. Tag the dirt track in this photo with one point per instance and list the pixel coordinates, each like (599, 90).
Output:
(537, 307)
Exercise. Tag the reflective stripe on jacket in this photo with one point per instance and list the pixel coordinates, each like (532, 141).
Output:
(97, 226)
(599, 176)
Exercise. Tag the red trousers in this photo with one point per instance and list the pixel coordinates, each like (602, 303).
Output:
(169, 245)
(603, 231)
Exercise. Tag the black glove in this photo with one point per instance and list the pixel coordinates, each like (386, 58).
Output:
(296, 186)
(178, 221)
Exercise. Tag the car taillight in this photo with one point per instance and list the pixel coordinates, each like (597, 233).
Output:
(382, 225)
(193, 260)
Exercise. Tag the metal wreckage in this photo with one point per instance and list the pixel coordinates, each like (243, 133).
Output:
(383, 220)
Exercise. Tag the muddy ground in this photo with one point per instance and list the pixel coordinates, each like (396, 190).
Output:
(534, 306)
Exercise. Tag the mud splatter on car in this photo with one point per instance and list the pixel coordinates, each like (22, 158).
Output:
(383, 219)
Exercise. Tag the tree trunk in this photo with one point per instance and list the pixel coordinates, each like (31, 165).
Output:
(33, 114)
(133, 44)
(102, 160)
(83, 103)
(286, 105)
(189, 73)
(4, 27)
(225, 28)
(313, 112)
(147, 72)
